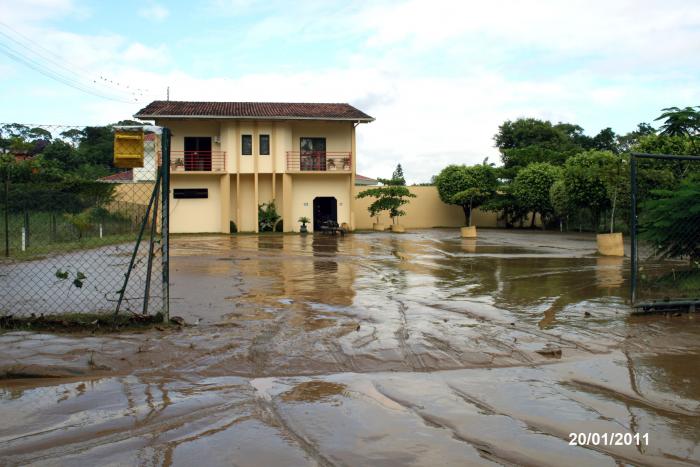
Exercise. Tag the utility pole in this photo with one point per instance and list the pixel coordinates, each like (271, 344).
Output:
(167, 94)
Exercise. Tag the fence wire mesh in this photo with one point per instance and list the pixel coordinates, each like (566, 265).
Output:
(666, 240)
(70, 220)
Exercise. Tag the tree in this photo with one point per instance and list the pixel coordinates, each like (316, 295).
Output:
(398, 175)
(389, 197)
(527, 140)
(583, 183)
(683, 122)
(562, 207)
(532, 186)
(672, 222)
(606, 140)
(468, 187)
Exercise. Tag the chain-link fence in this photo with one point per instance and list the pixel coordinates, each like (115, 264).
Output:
(81, 224)
(665, 231)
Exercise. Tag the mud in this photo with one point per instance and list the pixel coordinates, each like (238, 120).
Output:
(371, 349)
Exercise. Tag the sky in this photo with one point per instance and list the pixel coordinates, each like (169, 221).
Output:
(438, 76)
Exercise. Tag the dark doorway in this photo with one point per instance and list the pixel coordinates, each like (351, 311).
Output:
(325, 209)
(313, 153)
(198, 153)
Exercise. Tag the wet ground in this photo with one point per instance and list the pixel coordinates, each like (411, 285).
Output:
(371, 349)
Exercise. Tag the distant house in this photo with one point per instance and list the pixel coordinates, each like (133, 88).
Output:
(361, 180)
(227, 158)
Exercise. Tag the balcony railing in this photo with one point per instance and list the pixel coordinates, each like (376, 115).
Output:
(197, 161)
(319, 161)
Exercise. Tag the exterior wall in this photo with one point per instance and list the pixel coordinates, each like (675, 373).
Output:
(236, 196)
(426, 210)
(307, 187)
(195, 215)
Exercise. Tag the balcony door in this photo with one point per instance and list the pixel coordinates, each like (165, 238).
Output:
(198, 153)
(313, 153)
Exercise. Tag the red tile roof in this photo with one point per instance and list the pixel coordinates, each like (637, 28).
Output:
(119, 177)
(269, 110)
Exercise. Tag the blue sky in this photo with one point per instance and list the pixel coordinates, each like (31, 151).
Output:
(439, 76)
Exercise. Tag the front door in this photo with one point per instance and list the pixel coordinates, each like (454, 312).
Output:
(325, 209)
(198, 153)
(313, 153)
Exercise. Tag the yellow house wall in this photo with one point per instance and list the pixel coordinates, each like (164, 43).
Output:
(426, 210)
(307, 187)
(195, 215)
(338, 134)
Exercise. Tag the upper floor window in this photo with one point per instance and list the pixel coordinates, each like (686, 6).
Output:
(247, 145)
(264, 145)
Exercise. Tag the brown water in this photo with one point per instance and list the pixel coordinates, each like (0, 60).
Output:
(371, 349)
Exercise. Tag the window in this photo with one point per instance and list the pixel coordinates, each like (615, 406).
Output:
(264, 145)
(247, 145)
(191, 193)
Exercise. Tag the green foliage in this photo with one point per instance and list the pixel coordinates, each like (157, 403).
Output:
(532, 186)
(680, 122)
(528, 140)
(267, 217)
(671, 222)
(398, 175)
(583, 183)
(467, 186)
(389, 197)
(81, 222)
(304, 220)
(562, 207)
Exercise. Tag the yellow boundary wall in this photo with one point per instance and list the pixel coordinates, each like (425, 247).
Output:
(426, 210)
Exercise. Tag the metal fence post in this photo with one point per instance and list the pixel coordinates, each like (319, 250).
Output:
(633, 229)
(165, 221)
(7, 212)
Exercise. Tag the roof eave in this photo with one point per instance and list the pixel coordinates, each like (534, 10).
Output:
(233, 117)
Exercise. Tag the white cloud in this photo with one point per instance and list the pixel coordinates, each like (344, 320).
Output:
(155, 12)
(439, 76)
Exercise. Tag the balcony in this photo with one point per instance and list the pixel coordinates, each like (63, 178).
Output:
(319, 161)
(198, 161)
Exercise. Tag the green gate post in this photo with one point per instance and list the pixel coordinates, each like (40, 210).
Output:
(165, 221)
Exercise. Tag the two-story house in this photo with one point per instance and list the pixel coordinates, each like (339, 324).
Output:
(227, 158)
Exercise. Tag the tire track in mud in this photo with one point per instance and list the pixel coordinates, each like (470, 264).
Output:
(269, 414)
(414, 360)
(485, 450)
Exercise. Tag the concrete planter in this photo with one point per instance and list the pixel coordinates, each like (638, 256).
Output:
(398, 228)
(379, 227)
(610, 244)
(468, 232)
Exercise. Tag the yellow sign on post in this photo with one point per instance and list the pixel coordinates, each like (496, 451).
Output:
(128, 149)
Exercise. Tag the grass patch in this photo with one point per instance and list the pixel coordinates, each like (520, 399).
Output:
(685, 282)
(82, 322)
(38, 251)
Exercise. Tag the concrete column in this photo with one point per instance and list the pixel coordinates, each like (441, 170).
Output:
(225, 193)
(353, 156)
(256, 160)
(287, 219)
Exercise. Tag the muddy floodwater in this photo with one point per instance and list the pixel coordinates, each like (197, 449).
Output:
(369, 349)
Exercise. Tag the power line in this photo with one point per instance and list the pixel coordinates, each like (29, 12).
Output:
(68, 77)
(12, 54)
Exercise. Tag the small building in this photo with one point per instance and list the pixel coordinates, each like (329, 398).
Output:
(361, 180)
(227, 158)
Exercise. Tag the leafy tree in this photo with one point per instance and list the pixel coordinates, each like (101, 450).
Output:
(532, 186)
(683, 122)
(528, 140)
(560, 201)
(672, 222)
(389, 197)
(628, 141)
(466, 186)
(398, 175)
(606, 140)
(583, 184)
